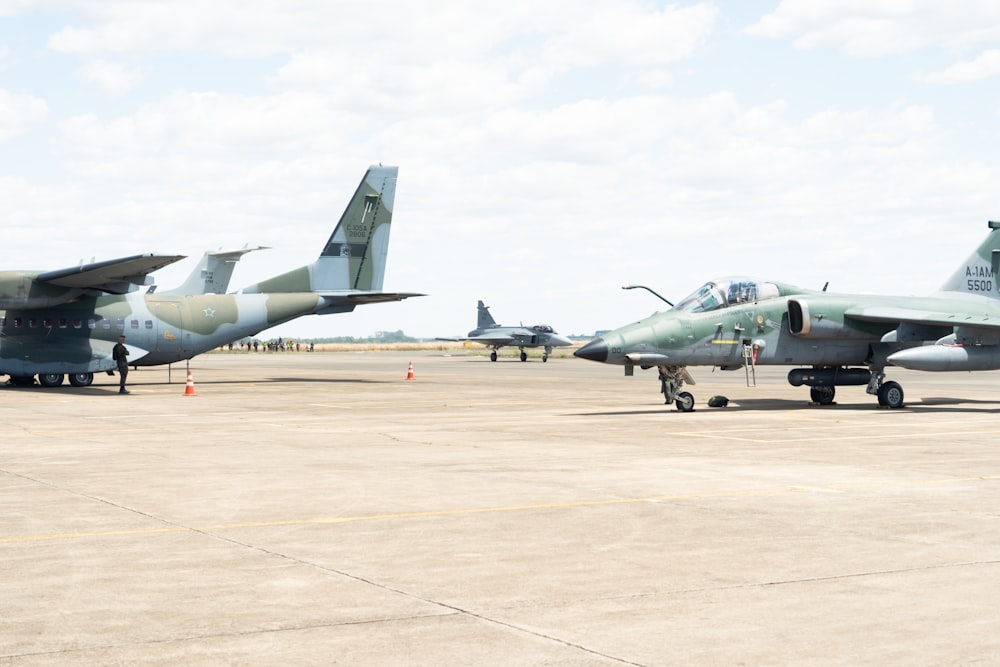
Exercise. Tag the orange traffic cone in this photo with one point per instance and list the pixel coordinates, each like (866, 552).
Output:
(189, 389)
(409, 373)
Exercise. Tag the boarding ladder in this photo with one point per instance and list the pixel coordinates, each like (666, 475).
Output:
(749, 366)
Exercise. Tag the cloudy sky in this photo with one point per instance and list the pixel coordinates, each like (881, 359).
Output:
(549, 152)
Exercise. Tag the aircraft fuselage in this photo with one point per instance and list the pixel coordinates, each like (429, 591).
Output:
(77, 337)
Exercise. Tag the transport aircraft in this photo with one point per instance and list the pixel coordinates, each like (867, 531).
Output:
(64, 323)
(491, 334)
(830, 339)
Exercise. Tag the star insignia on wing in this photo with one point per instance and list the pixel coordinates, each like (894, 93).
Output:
(209, 312)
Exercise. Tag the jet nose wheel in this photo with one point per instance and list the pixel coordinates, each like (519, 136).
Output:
(493, 355)
(685, 402)
(890, 395)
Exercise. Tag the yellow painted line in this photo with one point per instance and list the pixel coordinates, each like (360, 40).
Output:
(487, 510)
(719, 341)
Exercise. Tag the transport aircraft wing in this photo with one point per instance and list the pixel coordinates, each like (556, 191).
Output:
(116, 276)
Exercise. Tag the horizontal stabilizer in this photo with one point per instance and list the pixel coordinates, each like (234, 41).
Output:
(357, 298)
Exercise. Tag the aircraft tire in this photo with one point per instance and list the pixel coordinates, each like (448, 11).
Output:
(493, 355)
(890, 395)
(524, 356)
(81, 379)
(685, 402)
(822, 395)
(22, 380)
(50, 379)
(545, 358)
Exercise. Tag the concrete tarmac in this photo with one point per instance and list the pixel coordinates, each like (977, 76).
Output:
(316, 509)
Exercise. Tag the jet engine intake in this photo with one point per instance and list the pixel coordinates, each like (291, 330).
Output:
(798, 318)
(828, 377)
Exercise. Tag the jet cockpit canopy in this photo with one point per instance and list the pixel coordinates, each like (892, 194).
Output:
(727, 292)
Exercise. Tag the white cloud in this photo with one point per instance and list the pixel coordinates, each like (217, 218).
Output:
(111, 77)
(18, 112)
(881, 27)
(630, 35)
(986, 65)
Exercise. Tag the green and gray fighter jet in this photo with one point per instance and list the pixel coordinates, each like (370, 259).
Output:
(494, 335)
(63, 323)
(833, 339)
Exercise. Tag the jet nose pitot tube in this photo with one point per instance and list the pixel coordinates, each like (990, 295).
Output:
(595, 350)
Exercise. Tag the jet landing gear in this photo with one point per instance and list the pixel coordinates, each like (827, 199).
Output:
(672, 378)
(889, 394)
(822, 395)
(823, 383)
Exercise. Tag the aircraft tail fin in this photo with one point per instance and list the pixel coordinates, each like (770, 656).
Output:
(484, 320)
(979, 274)
(354, 257)
(212, 274)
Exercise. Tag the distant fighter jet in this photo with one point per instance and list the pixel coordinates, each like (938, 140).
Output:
(66, 322)
(831, 340)
(491, 334)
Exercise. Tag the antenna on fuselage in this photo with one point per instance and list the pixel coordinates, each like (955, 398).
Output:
(825, 285)
(651, 291)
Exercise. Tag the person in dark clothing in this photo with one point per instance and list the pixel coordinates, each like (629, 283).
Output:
(120, 356)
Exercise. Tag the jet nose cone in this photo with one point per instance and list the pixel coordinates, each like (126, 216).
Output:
(595, 350)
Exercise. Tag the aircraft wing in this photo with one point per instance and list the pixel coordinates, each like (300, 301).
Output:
(484, 340)
(496, 339)
(964, 315)
(116, 276)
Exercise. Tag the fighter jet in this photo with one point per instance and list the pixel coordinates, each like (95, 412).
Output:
(491, 334)
(831, 339)
(66, 322)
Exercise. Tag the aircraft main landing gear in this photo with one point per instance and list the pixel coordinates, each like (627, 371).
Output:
(822, 395)
(889, 394)
(81, 379)
(50, 379)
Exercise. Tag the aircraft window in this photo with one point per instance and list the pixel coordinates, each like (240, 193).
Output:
(46, 322)
(32, 322)
(77, 323)
(106, 324)
(707, 297)
(91, 323)
(120, 324)
(17, 322)
(720, 294)
(62, 323)
(135, 324)
(149, 324)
